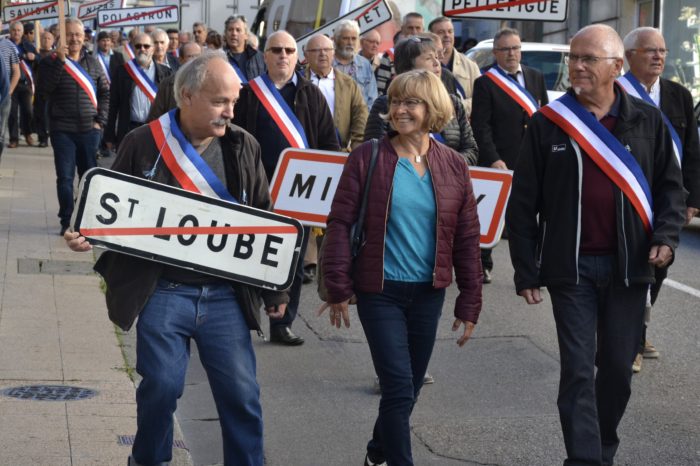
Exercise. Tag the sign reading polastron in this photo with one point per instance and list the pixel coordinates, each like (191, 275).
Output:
(304, 184)
(177, 227)
(536, 10)
(491, 190)
(138, 16)
(32, 11)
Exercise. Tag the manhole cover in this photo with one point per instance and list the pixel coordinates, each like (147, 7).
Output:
(49, 393)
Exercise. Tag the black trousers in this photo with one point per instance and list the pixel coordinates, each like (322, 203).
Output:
(599, 323)
(41, 118)
(20, 112)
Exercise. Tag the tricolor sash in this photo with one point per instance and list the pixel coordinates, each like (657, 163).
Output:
(26, 69)
(633, 87)
(141, 79)
(83, 79)
(513, 88)
(129, 51)
(284, 117)
(239, 72)
(606, 151)
(438, 137)
(184, 162)
(105, 68)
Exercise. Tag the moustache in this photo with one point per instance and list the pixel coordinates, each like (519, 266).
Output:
(219, 122)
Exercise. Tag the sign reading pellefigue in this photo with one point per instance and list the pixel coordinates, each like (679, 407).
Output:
(138, 16)
(534, 10)
(32, 11)
(177, 227)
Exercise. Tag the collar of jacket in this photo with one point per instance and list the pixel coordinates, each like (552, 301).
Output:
(629, 115)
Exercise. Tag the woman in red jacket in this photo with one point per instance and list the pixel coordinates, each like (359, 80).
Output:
(421, 221)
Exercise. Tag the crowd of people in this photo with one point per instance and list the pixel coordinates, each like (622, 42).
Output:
(598, 199)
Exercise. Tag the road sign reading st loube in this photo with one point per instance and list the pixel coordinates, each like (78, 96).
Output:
(536, 10)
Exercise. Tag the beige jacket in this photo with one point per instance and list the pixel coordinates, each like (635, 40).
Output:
(466, 72)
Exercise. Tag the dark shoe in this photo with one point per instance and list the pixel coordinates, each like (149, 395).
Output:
(309, 274)
(29, 140)
(285, 336)
(62, 230)
(369, 462)
(12, 145)
(487, 276)
(43, 144)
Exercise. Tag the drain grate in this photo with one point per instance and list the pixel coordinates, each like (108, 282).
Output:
(49, 393)
(129, 440)
(53, 267)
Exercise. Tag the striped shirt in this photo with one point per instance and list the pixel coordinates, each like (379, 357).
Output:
(8, 53)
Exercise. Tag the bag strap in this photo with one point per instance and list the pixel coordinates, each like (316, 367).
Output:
(357, 233)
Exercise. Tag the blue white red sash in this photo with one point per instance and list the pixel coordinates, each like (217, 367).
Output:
(438, 137)
(513, 88)
(633, 87)
(239, 72)
(141, 79)
(129, 51)
(105, 68)
(184, 162)
(606, 151)
(175, 53)
(83, 79)
(274, 103)
(26, 69)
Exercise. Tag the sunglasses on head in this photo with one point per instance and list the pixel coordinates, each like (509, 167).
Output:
(142, 46)
(278, 50)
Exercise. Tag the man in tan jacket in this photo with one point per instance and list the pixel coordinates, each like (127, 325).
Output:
(342, 93)
(464, 69)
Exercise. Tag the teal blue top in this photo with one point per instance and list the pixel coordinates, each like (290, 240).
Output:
(409, 253)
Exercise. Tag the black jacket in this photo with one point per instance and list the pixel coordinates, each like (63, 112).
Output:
(255, 64)
(677, 104)
(543, 210)
(70, 108)
(120, 102)
(457, 133)
(131, 280)
(499, 123)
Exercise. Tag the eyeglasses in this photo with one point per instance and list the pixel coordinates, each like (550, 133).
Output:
(651, 52)
(586, 60)
(278, 50)
(142, 46)
(515, 48)
(410, 104)
(327, 50)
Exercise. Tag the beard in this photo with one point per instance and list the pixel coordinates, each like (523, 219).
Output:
(143, 59)
(346, 52)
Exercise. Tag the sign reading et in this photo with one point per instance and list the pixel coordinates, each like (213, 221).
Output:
(538, 10)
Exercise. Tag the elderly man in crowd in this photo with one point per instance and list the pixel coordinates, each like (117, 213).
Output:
(369, 47)
(161, 44)
(302, 101)
(645, 50)
(464, 70)
(347, 60)
(597, 204)
(246, 61)
(411, 25)
(21, 111)
(199, 33)
(10, 77)
(133, 90)
(76, 113)
(165, 98)
(169, 301)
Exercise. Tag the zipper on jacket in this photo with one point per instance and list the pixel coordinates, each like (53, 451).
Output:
(544, 235)
(579, 162)
(624, 237)
(437, 218)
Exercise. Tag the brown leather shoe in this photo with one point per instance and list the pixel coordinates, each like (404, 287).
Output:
(29, 140)
(12, 145)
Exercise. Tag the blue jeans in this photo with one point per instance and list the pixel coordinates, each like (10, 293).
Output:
(210, 314)
(400, 324)
(599, 323)
(71, 151)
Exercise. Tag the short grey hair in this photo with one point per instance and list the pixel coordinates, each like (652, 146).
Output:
(191, 75)
(159, 32)
(75, 21)
(611, 43)
(346, 24)
(631, 39)
(505, 32)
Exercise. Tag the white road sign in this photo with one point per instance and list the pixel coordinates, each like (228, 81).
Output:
(177, 227)
(368, 16)
(32, 11)
(141, 16)
(89, 10)
(304, 184)
(491, 190)
(539, 10)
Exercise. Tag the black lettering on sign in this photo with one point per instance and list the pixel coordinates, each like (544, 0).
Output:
(110, 209)
(210, 240)
(325, 188)
(301, 186)
(244, 246)
(269, 250)
(480, 198)
(133, 203)
(195, 223)
(159, 224)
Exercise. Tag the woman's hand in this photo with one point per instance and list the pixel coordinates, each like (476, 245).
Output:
(337, 312)
(76, 242)
(468, 329)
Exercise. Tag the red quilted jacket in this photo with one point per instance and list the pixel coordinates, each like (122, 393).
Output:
(457, 227)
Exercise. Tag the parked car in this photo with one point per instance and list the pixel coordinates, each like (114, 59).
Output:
(549, 59)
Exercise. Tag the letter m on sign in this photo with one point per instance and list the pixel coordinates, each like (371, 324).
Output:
(299, 186)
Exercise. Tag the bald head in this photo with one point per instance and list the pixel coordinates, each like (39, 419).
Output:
(189, 51)
(604, 36)
(369, 44)
(280, 56)
(319, 54)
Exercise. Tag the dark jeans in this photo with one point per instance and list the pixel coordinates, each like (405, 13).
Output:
(209, 314)
(295, 290)
(41, 118)
(21, 112)
(71, 151)
(486, 259)
(599, 323)
(400, 324)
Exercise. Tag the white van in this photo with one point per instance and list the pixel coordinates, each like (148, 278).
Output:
(549, 59)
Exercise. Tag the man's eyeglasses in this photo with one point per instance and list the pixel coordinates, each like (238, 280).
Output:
(410, 104)
(586, 60)
(651, 52)
(142, 46)
(327, 50)
(515, 48)
(278, 50)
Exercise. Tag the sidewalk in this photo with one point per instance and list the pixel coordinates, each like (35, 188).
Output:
(54, 331)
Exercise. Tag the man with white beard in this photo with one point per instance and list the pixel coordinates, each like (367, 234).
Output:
(347, 60)
(133, 90)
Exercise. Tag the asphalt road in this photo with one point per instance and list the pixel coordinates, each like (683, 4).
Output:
(493, 401)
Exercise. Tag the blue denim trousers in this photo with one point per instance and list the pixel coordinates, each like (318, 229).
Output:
(71, 151)
(210, 314)
(599, 323)
(400, 324)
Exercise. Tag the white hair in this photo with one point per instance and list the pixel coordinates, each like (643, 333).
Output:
(631, 39)
(191, 75)
(346, 24)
